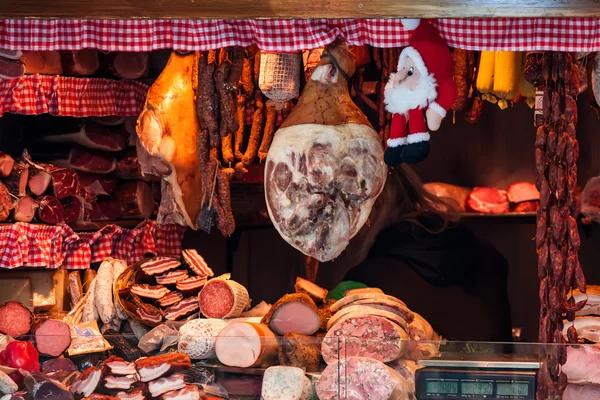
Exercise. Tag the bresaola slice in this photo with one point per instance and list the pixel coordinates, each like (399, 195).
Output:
(182, 309)
(189, 392)
(87, 382)
(223, 298)
(197, 263)
(293, 313)
(148, 291)
(159, 265)
(191, 284)
(172, 277)
(170, 299)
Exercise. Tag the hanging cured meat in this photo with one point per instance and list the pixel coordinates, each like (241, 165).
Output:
(325, 166)
(168, 129)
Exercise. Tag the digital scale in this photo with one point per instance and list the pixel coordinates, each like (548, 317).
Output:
(477, 377)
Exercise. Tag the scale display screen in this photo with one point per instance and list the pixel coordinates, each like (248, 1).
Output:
(442, 387)
(512, 388)
(476, 387)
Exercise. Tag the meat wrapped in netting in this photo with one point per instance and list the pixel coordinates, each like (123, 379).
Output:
(197, 337)
(279, 78)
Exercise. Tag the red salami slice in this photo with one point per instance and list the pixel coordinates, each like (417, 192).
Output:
(222, 298)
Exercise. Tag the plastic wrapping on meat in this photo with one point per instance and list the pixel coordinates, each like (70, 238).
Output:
(161, 337)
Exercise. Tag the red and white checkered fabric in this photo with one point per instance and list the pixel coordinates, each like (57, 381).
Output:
(30, 245)
(564, 34)
(72, 97)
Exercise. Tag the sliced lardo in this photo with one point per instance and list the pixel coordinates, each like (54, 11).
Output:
(352, 292)
(192, 284)
(361, 378)
(245, 345)
(222, 298)
(286, 383)
(354, 311)
(52, 337)
(347, 300)
(151, 368)
(365, 336)
(588, 328)
(118, 382)
(197, 337)
(295, 312)
(159, 265)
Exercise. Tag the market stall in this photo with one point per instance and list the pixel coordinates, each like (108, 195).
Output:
(120, 136)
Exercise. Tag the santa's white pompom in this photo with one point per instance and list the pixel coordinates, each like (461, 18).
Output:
(411, 23)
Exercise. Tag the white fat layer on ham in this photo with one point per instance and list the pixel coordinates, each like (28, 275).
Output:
(581, 392)
(587, 327)
(163, 385)
(190, 392)
(582, 364)
(295, 317)
(148, 374)
(87, 386)
(135, 395)
(121, 367)
(297, 141)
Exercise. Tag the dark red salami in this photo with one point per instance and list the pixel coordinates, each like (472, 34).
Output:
(222, 298)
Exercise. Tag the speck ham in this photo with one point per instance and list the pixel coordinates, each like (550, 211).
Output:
(65, 182)
(223, 298)
(73, 209)
(92, 136)
(258, 347)
(294, 313)
(52, 337)
(189, 392)
(15, 319)
(10, 69)
(182, 309)
(87, 382)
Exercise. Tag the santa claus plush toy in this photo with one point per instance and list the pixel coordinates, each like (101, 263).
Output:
(419, 94)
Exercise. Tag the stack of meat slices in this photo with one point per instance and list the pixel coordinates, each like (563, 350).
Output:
(368, 329)
(159, 376)
(582, 361)
(171, 286)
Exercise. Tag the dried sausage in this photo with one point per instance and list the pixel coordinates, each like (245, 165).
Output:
(258, 124)
(270, 125)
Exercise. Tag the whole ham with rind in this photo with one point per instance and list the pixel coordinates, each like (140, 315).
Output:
(325, 166)
(168, 129)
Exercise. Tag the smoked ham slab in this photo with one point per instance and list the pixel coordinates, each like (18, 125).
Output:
(168, 129)
(325, 167)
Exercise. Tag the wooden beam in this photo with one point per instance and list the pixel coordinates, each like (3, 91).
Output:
(237, 9)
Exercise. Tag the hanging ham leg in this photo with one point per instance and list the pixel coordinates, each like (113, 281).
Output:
(168, 129)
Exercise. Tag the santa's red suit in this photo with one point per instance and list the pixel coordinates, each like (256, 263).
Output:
(432, 58)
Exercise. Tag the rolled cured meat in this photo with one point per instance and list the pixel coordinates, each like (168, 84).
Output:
(361, 378)
(374, 296)
(222, 298)
(293, 313)
(246, 344)
(197, 337)
(365, 336)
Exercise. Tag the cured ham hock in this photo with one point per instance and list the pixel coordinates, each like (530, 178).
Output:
(325, 166)
(167, 130)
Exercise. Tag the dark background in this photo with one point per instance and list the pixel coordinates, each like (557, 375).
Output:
(497, 151)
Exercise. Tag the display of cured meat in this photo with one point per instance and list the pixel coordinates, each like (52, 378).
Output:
(191, 284)
(197, 337)
(16, 182)
(65, 182)
(10, 69)
(6, 164)
(50, 210)
(371, 309)
(169, 130)
(455, 197)
(92, 136)
(166, 384)
(137, 199)
(522, 191)
(82, 62)
(325, 167)
(587, 327)
(592, 306)
(557, 235)
(301, 351)
(105, 209)
(39, 181)
(581, 392)
(52, 337)
(196, 263)
(317, 293)
(82, 159)
(24, 209)
(42, 62)
(128, 165)
(259, 347)
(99, 185)
(182, 309)
(118, 366)
(15, 319)
(74, 210)
(361, 375)
(151, 368)
(582, 364)
(487, 200)
(126, 65)
(373, 296)
(222, 298)
(87, 382)
(172, 277)
(293, 313)
(159, 265)
(286, 383)
(170, 299)
(149, 292)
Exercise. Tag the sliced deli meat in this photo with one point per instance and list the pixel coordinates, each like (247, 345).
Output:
(361, 378)
(588, 328)
(197, 337)
(222, 298)
(325, 167)
(197, 263)
(120, 367)
(52, 337)
(522, 191)
(182, 309)
(171, 277)
(119, 382)
(367, 335)
(151, 368)
(582, 364)
(246, 344)
(293, 313)
(105, 209)
(488, 200)
(286, 383)
(581, 392)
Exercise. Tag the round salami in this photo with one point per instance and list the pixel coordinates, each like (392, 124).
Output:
(15, 319)
(222, 298)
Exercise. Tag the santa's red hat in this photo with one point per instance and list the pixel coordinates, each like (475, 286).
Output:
(429, 52)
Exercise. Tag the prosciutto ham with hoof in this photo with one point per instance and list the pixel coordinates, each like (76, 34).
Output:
(168, 129)
(325, 166)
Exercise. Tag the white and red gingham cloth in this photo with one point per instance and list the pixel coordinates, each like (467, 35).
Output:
(558, 34)
(30, 245)
(71, 97)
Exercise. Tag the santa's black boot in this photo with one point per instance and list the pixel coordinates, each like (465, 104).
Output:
(393, 155)
(414, 153)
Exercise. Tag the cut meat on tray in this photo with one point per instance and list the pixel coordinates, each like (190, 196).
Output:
(93, 136)
(522, 191)
(453, 196)
(170, 299)
(136, 198)
(488, 200)
(82, 159)
(223, 298)
(151, 368)
(191, 284)
(172, 277)
(87, 382)
(294, 313)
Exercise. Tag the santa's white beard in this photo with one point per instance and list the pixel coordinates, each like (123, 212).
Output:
(400, 99)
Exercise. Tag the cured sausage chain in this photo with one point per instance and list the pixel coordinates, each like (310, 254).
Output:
(557, 237)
